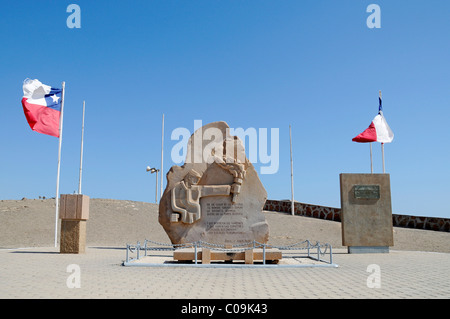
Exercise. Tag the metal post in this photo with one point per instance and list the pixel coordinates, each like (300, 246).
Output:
(156, 188)
(138, 248)
(81, 152)
(382, 144)
(371, 161)
(292, 174)
(162, 152)
(59, 162)
(318, 251)
(145, 248)
(195, 252)
(264, 254)
(154, 170)
(308, 248)
(331, 255)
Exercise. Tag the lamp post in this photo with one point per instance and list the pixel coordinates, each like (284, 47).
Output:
(154, 170)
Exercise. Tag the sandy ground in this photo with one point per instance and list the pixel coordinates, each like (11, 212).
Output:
(31, 223)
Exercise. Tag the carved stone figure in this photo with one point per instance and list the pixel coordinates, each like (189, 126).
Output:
(186, 197)
(216, 196)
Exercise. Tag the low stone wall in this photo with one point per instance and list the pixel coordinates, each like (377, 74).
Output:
(322, 212)
(334, 214)
(420, 222)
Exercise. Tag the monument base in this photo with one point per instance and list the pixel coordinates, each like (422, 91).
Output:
(366, 213)
(368, 249)
(73, 212)
(73, 236)
(205, 255)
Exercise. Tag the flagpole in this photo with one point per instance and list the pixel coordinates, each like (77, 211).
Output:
(380, 101)
(59, 162)
(81, 152)
(371, 160)
(382, 144)
(162, 152)
(292, 173)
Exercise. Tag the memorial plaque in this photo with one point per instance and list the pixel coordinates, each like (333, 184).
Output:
(216, 196)
(367, 191)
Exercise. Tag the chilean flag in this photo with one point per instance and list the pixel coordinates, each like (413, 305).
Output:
(42, 107)
(378, 130)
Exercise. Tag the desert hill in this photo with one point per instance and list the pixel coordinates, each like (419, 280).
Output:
(31, 223)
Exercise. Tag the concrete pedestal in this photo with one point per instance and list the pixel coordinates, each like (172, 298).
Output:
(368, 249)
(366, 215)
(73, 236)
(73, 212)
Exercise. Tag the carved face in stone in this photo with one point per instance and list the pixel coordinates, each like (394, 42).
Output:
(191, 178)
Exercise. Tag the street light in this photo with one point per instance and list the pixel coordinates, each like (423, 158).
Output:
(154, 170)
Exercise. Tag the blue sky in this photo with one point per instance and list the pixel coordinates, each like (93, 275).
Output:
(254, 64)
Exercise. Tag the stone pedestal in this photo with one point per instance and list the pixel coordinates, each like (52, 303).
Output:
(73, 212)
(73, 236)
(74, 207)
(366, 216)
(249, 256)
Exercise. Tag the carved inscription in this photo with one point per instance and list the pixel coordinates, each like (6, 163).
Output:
(224, 209)
(225, 219)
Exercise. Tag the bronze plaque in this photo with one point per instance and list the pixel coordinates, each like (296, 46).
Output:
(367, 191)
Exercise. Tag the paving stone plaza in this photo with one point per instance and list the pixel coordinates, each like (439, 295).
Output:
(45, 273)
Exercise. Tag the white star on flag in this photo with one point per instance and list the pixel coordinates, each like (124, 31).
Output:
(55, 98)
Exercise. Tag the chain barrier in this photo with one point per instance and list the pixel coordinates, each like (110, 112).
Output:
(150, 245)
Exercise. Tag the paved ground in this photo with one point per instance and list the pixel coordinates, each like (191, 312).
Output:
(44, 273)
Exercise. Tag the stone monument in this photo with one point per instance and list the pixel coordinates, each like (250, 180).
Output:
(73, 212)
(366, 215)
(216, 196)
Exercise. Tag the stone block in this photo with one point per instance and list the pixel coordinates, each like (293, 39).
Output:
(248, 255)
(73, 236)
(366, 215)
(74, 207)
(206, 256)
(188, 254)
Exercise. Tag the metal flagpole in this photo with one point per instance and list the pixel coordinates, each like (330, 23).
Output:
(81, 152)
(382, 144)
(156, 187)
(59, 162)
(371, 160)
(292, 173)
(162, 151)
(380, 101)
